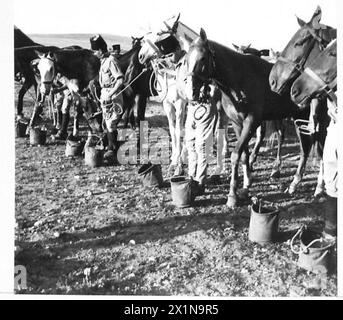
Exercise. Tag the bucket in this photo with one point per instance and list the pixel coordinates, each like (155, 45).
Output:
(264, 224)
(37, 136)
(21, 127)
(93, 156)
(181, 191)
(73, 148)
(315, 253)
(151, 175)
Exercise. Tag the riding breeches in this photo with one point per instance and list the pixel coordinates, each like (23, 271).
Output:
(112, 109)
(200, 126)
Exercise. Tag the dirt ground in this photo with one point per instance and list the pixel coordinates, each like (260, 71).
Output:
(84, 230)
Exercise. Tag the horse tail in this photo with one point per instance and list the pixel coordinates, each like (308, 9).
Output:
(273, 130)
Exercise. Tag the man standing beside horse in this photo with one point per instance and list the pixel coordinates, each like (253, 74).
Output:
(111, 81)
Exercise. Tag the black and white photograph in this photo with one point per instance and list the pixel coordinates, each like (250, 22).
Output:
(171, 149)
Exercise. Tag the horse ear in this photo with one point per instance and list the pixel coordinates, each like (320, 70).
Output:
(141, 38)
(132, 38)
(301, 22)
(39, 54)
(248, 46)
(316, 18)
(235, 46)
(50, 55)
(203, 35)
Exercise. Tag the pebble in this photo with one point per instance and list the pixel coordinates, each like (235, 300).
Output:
(56, 234)
(132, 242)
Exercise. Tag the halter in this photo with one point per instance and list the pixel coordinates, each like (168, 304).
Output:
(299, 66)
(327, 88)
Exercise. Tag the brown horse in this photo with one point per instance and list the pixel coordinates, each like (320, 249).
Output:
(318, 78)
(236, 75)
(304, 46)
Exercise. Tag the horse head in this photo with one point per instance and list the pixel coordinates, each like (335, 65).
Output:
(198, 66)
(319, 77)
(45, 66)
(136, 41)
(306, 44)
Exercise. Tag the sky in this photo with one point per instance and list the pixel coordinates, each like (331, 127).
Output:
(264, 23)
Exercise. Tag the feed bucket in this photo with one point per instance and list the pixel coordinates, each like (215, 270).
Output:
(315, 252)
(21, 127)
(73, 148)
(181, 191)
(93, 156)
(264, 224)
(151, 175)
(37, 136)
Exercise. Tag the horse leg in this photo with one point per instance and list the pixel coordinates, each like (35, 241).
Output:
(305, 147)
(25, 87)
(243, 136)
(281, 135)
(77, 117)
(221, 139)
(260, 134)
(320, 180)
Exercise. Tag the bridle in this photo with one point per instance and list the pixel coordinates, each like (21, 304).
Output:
(327, 88)
(298, 66)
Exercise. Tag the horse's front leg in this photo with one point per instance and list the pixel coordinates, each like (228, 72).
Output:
(243, 137)
(78, 115)
(320, 180)
(38, 108)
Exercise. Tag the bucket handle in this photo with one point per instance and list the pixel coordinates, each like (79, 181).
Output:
(305, 250)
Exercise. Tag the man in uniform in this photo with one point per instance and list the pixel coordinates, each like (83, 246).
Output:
(111, 81)
(115, 52)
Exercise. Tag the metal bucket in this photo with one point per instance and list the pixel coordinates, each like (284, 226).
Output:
(73, 148)
(315, 253)
(21, 127)
(93, 156)
(264, 224)
(37, 136)
(181, 191)
(151, 175)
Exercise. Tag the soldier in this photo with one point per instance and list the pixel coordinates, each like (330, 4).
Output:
(111, 81)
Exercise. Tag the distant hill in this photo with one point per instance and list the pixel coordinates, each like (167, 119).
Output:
(63, 40)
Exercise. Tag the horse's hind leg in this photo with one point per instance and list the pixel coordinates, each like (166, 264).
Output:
(281, 135)
(260, 134)
(141, 107)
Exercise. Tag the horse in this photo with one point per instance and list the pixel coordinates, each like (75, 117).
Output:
(275, 126)
(318, 78)
(236, 74)
(303, 47)
(173, 100)
(136, 79)
(77, 66)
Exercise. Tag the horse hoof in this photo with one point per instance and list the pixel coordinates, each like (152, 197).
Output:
(231, 201)
(275, 174)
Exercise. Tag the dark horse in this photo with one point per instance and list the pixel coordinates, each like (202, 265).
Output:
(78, 66)
(138, 77)
(209, 62)
(304, 46)
(24, 53)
